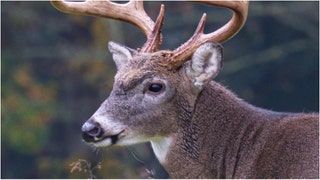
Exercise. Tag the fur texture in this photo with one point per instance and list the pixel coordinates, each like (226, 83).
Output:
(198, 128)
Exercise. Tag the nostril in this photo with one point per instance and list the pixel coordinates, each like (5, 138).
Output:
(91, 131)
(95, 132)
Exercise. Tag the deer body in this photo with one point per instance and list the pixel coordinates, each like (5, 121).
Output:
(197, 128)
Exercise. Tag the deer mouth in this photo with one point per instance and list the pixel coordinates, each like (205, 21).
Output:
(103, 140)
(115, 138)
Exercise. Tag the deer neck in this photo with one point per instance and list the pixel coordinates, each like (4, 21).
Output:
(206, 131)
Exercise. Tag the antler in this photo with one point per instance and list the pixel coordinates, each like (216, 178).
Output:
(184, 52)
(132, 12)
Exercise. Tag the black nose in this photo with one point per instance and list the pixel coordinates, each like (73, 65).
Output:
(91, 131)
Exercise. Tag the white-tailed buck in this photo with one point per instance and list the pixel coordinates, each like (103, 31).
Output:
(197, 128)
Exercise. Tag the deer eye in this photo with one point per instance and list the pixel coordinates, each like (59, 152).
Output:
(155, 87)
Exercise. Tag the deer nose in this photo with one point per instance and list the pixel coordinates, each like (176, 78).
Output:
(91, 131)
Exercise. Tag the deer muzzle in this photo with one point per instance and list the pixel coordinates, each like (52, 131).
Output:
(94, 133)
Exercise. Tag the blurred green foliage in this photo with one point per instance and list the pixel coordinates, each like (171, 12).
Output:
(54, 75)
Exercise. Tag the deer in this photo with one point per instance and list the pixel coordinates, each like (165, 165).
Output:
(197, 128)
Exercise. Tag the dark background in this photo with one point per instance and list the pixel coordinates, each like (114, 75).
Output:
(56, 70)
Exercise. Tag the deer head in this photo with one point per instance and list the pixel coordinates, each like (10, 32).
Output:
(153, 88)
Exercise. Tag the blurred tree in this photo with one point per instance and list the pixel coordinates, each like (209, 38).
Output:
(54, 75)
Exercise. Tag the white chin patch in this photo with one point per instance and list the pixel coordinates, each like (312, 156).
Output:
(103, 143)
(131, 139)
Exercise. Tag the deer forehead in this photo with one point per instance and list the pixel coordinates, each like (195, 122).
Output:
(142, 66)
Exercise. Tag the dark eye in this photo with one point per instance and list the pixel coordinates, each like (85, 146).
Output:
(155, 87)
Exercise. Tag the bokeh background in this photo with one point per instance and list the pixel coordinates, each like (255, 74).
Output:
(56, 71)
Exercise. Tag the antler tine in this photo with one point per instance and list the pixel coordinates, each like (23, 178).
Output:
(155, 39)
(184, 52)
(132, 12)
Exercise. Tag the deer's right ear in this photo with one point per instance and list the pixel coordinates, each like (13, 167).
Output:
(120, 54)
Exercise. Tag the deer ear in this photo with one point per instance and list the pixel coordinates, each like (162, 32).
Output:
(120, 54)
(206, 63)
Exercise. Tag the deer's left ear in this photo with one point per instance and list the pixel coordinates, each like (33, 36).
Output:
(205, 64)
(120, 53)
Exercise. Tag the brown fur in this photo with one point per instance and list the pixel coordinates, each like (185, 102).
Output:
(237, 140)
(214, 134)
